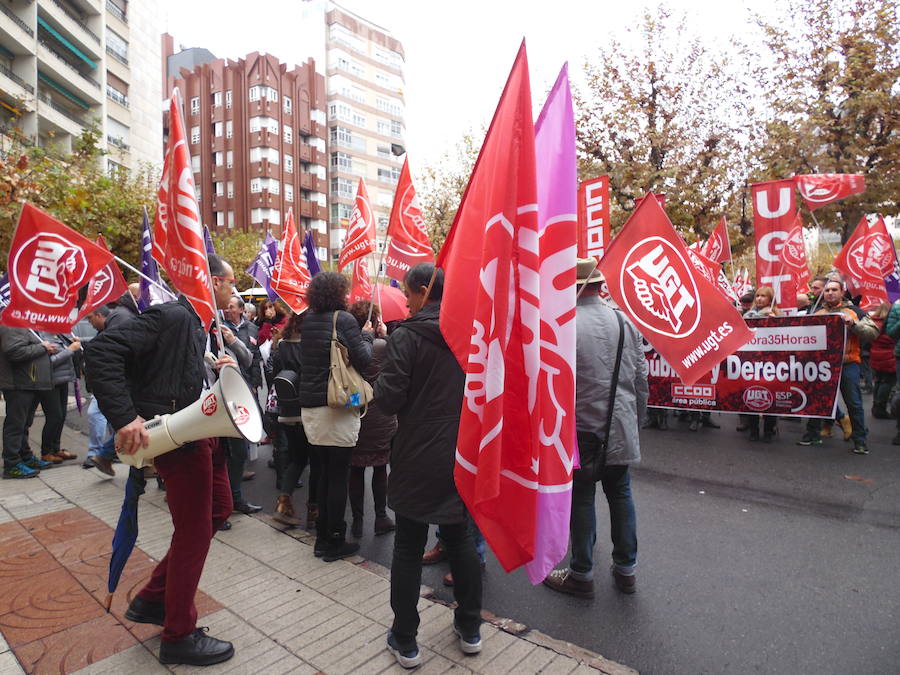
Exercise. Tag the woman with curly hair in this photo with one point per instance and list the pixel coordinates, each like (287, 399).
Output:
(374, 445)
(333, 432)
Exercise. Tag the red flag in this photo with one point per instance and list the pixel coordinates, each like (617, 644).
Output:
(409, 243)
(819, 189)
(360, 286)
(106, 286)
(593, 217)
(177, 233)
(290, 275)
(774, 207)
(793, 259)
(712, 272)
(717, 247)
(490, 260)
(866, 259)
(48, 263)
(660, 197)
(361, 230)
(679, 312)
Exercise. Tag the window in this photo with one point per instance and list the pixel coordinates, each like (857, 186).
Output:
(340, 212)
(396, 129)
(288, 135)
(195, 135)
(341, 161)
(220, 218)
(260, 215)
(382, 80)
(391, 106)
(342, 187)
(229, 159)
(217, 158)
(195, 105)
(317, 116)
(344, 137)
(289, 164)
(117, 46)
(260, 122)
(197, 193)
(274, 186)
(383, 128)
(229, 128)
(255, 185)
(384, 151)
(228, 98)
(289, 193)
(231, 219)
(195, 163)
(217, 129)
(260, 153)
(220, 188)
(385, 199)
(254, 93)
(382, 224)
(391, 175)
(254, 124)
(288, 105)
(217, 99)
(272, 94)
(229, 189)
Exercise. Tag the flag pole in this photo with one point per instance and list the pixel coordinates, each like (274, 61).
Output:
(142, 275)
(815, 220)
(377, 269)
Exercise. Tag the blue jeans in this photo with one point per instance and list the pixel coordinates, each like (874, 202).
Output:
(853, 399)
(622, 519)
(101, 438)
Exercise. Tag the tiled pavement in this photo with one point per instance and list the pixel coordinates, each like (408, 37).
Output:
(285, 610)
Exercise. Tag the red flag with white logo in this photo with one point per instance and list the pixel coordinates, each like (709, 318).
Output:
(290, 274)
(360, 286)
(774, 208)
(712, 272)
(652, 279)
(409, 244)
(360, 238)
(717, 248)
(865, 260)
(108, 285)
(819, 189)
(593, 217)
(177, 233)
(793, 258)
(47, 265)
(491, 262)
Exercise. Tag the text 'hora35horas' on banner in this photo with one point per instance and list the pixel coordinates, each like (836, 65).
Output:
(791, 367)
(48, 265)
(508, 316)
(650, 276)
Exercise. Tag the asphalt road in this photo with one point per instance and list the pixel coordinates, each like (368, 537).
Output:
(754, 558)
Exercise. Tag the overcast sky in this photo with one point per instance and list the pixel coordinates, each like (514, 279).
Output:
(458, 53)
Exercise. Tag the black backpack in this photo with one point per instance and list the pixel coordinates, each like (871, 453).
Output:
(287, 386)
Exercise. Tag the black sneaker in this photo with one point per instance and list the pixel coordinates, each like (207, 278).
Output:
(809, 439)
(408, 658)
(343, 549)
(143, 611)
(246, 508)
(197, 649)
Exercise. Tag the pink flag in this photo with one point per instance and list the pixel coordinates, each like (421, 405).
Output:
(557, 178)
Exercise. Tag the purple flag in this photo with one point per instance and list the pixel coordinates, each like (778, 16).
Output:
(395, 283)
(4, 291)
(150, 294)
(261, 267)
(557, 183)
(311, 260)
(891, 281)
(207, 240)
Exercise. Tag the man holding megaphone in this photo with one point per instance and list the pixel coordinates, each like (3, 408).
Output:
(155, 365)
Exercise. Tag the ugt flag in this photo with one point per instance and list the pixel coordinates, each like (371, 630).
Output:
(717, 248)
(819, 189)
(361, 230)
(290, 276)
(261, 267)
(47, 265)
(106, 286)
(490, 320)
(409, 244)
(865, 260)
(360, 286)
(177, 234)
(680, 313)
(554, 289)
(793, 258)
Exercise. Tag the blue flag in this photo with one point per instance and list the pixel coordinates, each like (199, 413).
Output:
(261, 267)
(311, 260)
(150, 294)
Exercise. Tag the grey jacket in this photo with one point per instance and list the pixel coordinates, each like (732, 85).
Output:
(24, 363)
(62, 362)
(597, 338)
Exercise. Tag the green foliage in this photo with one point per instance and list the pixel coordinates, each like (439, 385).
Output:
(74, 189)
(239, 249)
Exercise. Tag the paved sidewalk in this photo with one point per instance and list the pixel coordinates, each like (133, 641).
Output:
(285, 610)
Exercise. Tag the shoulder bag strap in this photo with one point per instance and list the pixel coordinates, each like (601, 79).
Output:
(614, 384)
(334, 326)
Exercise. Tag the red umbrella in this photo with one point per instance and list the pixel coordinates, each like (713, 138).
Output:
(392, 303)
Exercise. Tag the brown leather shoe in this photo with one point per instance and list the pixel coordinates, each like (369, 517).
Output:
(284, 512)
(435, 555)
(562, 581)
(52, 457)
(625, 583)
(65, 454)
(103, 465)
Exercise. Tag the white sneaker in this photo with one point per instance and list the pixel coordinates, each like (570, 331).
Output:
(470, 644)
(408, 659)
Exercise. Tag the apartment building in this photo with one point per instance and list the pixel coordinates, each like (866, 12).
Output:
(257, 139)
(65, 63)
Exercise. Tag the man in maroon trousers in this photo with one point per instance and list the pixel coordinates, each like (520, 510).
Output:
(151, 365)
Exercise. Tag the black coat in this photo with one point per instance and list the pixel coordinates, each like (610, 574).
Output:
(286, 356)
(421, 382)
(315, 354)
(247, 333)
(149, 365)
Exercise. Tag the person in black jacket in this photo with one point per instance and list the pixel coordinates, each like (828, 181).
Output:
(154, 364)
(332, 431)
(422, 383)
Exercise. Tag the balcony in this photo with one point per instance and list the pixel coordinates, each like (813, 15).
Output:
(64, 72)
(117, 96)
(116, 12)
(15, 29)
(17, 86)
(118, 56)
(60, 119)
(118, 142)
(72, 23)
